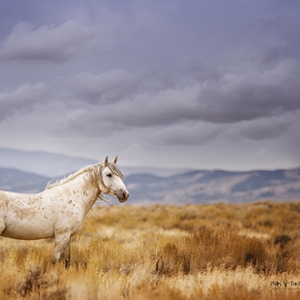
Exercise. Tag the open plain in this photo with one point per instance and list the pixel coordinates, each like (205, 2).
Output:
(208, 251)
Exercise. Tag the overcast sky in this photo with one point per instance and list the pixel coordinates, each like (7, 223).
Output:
(207, 84)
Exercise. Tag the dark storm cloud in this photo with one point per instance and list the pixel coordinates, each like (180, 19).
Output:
(115, 86)
(265, 129)
(49, 43)
(252, 95)
(24, 99)
(233, 98)
(97, 93)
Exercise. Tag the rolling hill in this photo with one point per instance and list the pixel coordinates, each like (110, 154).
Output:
(188, 187)
(23, 182)
(215, 186)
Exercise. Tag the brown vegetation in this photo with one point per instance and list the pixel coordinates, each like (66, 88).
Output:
(218, 251)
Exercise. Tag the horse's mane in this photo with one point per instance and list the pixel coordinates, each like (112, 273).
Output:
(70, 177)
(94, 172)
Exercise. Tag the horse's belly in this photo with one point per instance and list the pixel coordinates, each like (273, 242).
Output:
(26, 217)
(28, 230)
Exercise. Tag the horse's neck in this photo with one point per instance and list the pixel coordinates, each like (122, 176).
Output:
(84, 191)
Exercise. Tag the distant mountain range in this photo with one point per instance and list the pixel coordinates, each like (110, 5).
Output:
(190, 187)
(215, 186)
(196, 186)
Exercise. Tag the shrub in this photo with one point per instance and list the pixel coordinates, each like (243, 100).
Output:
(37, 285)
(207, 249)
(282, 240)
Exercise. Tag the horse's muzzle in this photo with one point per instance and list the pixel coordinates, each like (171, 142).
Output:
(123, 196)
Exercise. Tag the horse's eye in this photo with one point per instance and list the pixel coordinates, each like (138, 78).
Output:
(109, 175)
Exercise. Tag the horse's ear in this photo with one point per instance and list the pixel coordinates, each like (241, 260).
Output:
(115, 160)
(106, 161)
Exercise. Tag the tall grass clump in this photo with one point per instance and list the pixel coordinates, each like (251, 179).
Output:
(207, 249)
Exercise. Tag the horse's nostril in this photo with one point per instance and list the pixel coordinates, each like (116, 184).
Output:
(124, 194)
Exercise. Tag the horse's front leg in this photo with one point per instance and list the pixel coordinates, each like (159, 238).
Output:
(2, 225)
(62, 249)
(67, 254)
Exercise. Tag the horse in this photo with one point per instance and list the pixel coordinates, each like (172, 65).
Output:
(58, 211)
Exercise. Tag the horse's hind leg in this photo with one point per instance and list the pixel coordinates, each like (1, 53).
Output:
(62, 249)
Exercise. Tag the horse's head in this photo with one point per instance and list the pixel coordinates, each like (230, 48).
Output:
(112, 179)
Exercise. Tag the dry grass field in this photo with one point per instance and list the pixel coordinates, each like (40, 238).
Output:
(217, 251)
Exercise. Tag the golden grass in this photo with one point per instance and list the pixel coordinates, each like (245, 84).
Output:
(217, 251)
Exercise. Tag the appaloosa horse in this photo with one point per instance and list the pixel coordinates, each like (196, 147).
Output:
(58, 211)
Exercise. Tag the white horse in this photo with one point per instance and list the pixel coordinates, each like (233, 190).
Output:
(59, 210)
